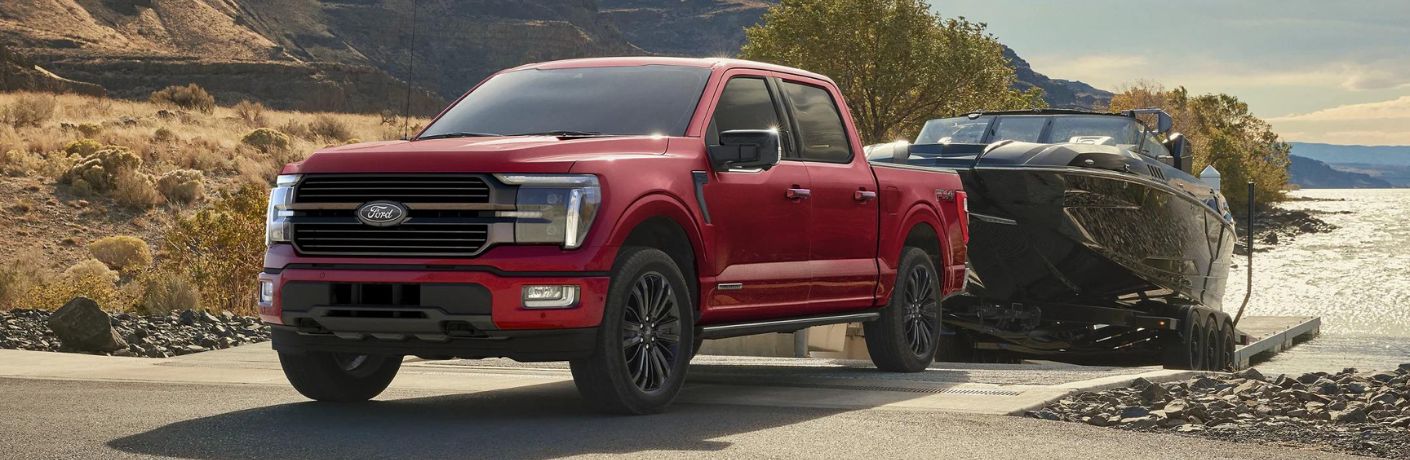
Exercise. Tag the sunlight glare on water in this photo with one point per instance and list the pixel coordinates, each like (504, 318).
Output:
(1357, 278)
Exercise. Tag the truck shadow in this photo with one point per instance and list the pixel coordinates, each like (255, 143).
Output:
(536, 421)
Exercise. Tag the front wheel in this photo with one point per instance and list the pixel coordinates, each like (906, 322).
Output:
(647, 337)
(906, 336)
(339, 377)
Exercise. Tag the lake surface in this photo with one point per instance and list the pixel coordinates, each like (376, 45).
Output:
(1357, 278)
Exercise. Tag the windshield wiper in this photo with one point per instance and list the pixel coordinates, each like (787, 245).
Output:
(564, 133)
(454, 135)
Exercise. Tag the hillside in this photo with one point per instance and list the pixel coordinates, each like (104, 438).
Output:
(1309, 173)
(348, 55)
(355, 55)
(1359, 154)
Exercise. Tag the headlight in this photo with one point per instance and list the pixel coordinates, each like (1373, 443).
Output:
(276, 219)
(553, 208)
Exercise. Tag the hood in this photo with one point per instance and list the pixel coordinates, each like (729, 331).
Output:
(537, 154)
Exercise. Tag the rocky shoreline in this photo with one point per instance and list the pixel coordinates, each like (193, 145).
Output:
(1362, 413)
(1274, 225)
(153, 336)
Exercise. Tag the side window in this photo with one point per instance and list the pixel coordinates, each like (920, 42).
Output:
(1020, 129)
(744, 104)
(823, 136)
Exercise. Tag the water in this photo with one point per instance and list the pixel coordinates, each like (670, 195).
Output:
(1357, 278)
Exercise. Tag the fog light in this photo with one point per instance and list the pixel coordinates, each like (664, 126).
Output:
(550, 296)
(266, 291)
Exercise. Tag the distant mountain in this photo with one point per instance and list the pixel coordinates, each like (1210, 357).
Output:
(1309, 173)
(1360, 154)
(716, 28)
(355, 55)
(1062, 94)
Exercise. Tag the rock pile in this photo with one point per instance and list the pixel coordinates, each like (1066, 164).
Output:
(1274, 225)
(155, 336)
(1365, 413)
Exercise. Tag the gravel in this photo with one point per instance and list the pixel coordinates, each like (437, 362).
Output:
(153, 336)
(1362, 413)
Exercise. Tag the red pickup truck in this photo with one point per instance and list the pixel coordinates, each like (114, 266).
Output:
(612, 213)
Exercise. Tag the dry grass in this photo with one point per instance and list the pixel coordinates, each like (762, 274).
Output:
(181, 156)
(123, 252)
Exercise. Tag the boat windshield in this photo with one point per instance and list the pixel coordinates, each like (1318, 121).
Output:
(958, 130)
(1052, 129)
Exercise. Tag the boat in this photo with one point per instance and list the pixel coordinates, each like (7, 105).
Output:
(1089, 235)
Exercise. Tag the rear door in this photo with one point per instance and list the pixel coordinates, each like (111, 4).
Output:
(761, 252)
(842, 232)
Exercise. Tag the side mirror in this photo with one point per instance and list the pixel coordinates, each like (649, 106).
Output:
(1183, 152)
(746, 149)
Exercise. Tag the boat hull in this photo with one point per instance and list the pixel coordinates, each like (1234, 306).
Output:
(1083, 236)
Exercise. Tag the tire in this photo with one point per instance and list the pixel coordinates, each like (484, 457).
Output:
(1230, 342)
(639, 363)
(1186, 350)
(339, 377)
(1213, 345)
(906, 336)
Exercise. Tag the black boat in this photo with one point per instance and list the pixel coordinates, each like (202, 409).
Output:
(1089, 235)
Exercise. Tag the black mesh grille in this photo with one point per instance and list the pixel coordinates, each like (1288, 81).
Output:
(437, 223)
(424, 188)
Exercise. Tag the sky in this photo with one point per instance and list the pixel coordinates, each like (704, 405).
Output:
(1327, 71)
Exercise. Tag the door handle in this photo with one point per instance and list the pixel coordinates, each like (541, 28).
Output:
(864, 196)
(798, 194)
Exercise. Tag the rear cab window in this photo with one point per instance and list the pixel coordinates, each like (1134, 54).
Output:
(822, 135)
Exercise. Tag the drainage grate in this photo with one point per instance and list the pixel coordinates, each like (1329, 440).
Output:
(838, 386)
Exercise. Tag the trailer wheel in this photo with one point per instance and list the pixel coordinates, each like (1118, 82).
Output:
(1213, 345)
(905, 337)
(1230, 343)
(1186, 351)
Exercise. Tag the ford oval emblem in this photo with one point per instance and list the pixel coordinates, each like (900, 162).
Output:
(382, 213)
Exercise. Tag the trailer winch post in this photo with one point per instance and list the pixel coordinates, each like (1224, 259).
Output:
(1248, 290)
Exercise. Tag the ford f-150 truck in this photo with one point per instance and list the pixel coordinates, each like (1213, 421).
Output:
(612, 213)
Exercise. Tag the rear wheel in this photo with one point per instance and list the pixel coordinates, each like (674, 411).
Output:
(906, 336)
(1230, 342)
(339, 377)
(1213, 345)
(647, 337)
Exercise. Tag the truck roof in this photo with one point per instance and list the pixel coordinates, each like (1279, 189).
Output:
(726, 63)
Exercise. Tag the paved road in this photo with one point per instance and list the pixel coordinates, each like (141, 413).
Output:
(42, 418)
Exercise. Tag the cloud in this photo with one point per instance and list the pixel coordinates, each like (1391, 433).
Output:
(1383, 74)
(1372, 123)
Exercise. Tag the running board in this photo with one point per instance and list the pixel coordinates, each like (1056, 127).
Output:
(722, 331)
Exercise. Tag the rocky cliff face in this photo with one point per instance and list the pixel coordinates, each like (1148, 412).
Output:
(1062, 94)
(356, 55)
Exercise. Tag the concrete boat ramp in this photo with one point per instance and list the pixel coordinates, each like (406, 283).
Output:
(729, 380)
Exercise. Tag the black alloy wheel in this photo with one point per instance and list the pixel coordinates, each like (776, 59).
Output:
(651, 341)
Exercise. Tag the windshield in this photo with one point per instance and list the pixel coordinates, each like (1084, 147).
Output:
(1121, 130)
(958, 130)
(1030, 128)
(641, 100)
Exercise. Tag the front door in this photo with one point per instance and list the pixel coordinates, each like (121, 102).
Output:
(759, 215)
(843, 228)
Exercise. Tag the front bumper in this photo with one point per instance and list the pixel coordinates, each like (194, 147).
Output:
(412, 307)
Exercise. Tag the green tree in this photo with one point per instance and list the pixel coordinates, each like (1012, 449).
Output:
(897, 63)
(1224, 133)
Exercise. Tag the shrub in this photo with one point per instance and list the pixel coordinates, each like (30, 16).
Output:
(266, 140)
(18, 163)
(252, 113)
(222, 248)
(189, 97)
(123, 252)
(89, 278)
(135, 190)
(163, 135)
(330, 128)
(182, 186)
(98, 172)
(164, 292)
(83, 147)
(29, 110)
(17, 278)
(91, 268)
(90, 129)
